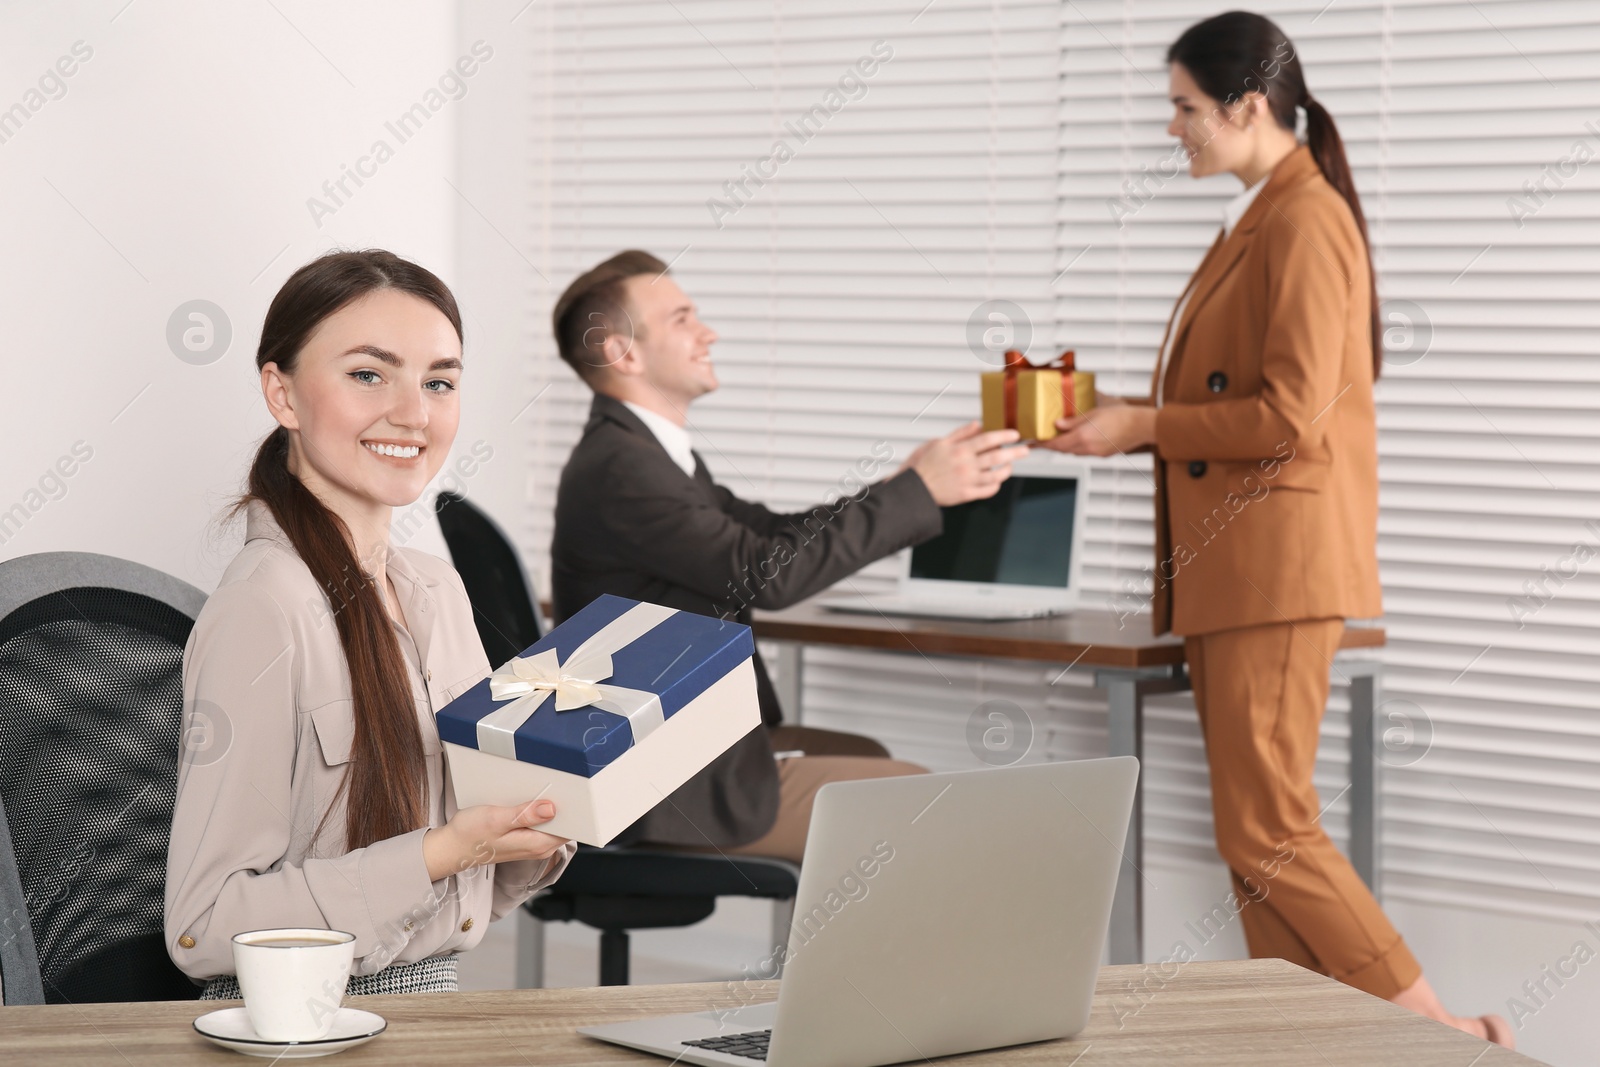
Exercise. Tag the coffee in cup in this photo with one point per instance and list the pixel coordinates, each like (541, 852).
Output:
(293, 980)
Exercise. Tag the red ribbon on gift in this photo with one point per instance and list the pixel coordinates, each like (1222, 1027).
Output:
(1016, 363)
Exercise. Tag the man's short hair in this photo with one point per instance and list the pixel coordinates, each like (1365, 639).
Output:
(595, 306)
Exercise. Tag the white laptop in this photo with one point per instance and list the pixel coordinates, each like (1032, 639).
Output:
(1016, 555)
(936, 914)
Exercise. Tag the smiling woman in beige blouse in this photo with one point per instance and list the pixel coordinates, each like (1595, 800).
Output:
(323, 799)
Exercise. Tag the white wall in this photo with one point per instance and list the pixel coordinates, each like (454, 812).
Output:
(499, 246)
(177, 166)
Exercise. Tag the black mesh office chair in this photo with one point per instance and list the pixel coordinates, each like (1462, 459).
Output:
(614, 890)
(91, 705)
(19, 957)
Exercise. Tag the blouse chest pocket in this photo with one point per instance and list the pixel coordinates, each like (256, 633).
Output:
(335, 727)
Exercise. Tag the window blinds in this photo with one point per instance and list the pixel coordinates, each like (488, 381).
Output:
(1465, 124)
(844, 224)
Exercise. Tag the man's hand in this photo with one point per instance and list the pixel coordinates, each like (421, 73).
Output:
(968, 464)
(487, 833)
(1105, 431)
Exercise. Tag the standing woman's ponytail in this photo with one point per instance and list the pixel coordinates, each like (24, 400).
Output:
(1327, 147)
(1240, 52)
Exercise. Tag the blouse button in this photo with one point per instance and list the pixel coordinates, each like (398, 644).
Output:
(410, 925)
(186, 941)
(466, 926)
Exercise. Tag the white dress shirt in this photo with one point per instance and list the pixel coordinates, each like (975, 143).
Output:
(673, 438)
(1232, 212)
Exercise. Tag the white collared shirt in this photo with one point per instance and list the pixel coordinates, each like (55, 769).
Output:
(1234, 209)
(673, 438)
(1232, 212)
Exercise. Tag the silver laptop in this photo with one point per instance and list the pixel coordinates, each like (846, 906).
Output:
(936, 914)
(1015, 555)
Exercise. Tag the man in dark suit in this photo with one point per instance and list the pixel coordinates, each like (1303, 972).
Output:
(638, 515)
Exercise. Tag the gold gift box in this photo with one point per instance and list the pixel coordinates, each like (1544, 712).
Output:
(1039, 398)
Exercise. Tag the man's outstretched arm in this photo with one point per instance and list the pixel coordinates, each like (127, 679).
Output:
(742, 554)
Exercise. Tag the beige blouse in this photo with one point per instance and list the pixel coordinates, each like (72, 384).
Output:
(268, 716)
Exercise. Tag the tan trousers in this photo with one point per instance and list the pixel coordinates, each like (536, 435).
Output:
(1261, 692)
(830, 756)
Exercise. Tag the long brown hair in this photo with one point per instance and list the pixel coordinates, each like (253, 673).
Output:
(385, 782)
(1239, 52)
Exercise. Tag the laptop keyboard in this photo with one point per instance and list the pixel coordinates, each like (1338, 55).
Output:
(752, 1044)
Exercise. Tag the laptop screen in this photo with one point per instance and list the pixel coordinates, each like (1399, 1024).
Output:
(1020, 536)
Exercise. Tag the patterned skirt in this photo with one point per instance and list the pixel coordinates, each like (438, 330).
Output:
(436, 974)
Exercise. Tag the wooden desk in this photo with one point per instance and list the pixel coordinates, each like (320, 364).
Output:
(1222, 1014)
(1129, 664)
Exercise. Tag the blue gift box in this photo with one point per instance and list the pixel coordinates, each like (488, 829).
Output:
(676, 658)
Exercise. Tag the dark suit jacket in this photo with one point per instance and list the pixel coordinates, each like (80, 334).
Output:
(630, 522)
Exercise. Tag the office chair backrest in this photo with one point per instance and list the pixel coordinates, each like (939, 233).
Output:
(498, 586)
(19, 958)
(91, 707)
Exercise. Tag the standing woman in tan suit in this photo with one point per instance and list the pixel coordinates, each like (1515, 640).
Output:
(322, 799)
(1262, 422)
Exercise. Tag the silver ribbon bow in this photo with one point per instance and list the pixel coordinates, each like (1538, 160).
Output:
(576, 682)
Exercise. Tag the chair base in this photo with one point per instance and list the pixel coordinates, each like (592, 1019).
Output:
(601, 889)
(614, 946)
(614, 916)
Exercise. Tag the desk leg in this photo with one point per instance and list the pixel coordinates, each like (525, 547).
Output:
(791, 666)
(1125, 693)
(1366, 771)
(1126, 729)
(530, 951)
(782, 920)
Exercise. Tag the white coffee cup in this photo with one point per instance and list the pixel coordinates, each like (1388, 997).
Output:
(293, 980)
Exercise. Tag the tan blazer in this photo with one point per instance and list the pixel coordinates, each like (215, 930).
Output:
(1266, 443)
(265, 684)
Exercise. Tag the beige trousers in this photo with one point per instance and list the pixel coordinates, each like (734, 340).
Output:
(830, 756)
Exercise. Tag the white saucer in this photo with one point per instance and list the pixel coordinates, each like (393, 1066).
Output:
(231, 1028)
